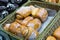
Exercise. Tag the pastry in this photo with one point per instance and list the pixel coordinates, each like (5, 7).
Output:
(35, 24)
(51, 38)
(35, 11)
(24, 11)
(31, 34)
(57, 33)
(53, 1)
(40, 13)
(26, 20)
(24, 30)
(14, 28)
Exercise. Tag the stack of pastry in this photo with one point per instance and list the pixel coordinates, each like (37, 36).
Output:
(28, 20)
(21, 30)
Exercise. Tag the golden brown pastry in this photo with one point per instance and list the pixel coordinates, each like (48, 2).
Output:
(14, 27)
(24, 30)
(19, 17)
(54, 1)
(26, 20)
(27, 32)
(40, 13)
(24, 11)
(18, 29)
(35, 24)
(51, 38)
(6, 27)
(35, 11)
(57, 33)
(31, 33)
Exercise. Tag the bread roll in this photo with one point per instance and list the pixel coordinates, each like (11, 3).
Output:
(35, 24)
(51, 38)
(28, 32)
(31, 34)
(26, 20)
(14, 27)
(53, 1)
(35, 11)
(24, 30)
(6, 27)
(57, 33)
(42, 14)
(24, 11)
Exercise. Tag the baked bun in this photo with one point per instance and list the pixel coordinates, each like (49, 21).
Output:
(14, 28)
(51, 38)
(35, 11)
(40, 13)
(24, 30)
(24, 11)
(53, 1)
(26, 20)
(32, 33)
(57, 33)
(35, 24)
